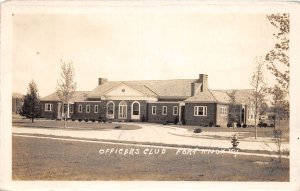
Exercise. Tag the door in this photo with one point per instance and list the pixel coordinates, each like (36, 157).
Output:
(182, 112)
(122, 110)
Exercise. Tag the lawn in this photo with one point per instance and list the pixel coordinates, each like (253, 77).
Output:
(74, 125)
(46, 159)
(247, 132)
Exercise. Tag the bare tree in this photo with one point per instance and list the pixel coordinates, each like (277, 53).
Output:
(66, 86)
(259, 92)
(233, 106)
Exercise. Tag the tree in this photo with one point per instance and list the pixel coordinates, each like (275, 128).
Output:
(31, 106)
(278, 58)
(233, 107)
(259, 90)
(66, 86)
(280, 106)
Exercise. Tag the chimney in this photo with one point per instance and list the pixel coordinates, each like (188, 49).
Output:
(203, 79)
(102, 81)
(195, 88)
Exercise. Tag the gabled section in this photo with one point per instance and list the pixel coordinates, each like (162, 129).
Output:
(124, 91)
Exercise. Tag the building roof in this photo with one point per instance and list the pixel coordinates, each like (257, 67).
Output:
(214, 96)
(78, 96)
(17, 95)
(155, 88)
(242, 96)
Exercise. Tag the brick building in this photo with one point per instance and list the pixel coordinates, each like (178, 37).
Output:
(17, 102)
(187, 101)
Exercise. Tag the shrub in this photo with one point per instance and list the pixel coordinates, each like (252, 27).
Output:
(176, 120)
(86, 120)
(244, 125)
(143, 118)
(93, 120)
(198, 130)
(239, 125)
(99, 120)
(79, 120)
(229, 124)
(205, 125)
(118, 127)
(73, 119)
(217, 126)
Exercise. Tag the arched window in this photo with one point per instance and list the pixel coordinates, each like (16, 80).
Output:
(135, 110)
(110, 110)
(122, 110)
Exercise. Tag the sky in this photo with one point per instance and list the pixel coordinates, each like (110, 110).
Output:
(144, 46)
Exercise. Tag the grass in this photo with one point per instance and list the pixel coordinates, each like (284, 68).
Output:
(74, 125)
(46, 159)
(247, 132)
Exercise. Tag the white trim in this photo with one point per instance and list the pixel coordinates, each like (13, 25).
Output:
(135, 116)
(223, 111)
(86, 108)
(122, 111)
(196, 110)
(130, 98)
(153, 113)
(175, 110)
(162, 110)
(50, 106)
(96, 106)
(164, 102)
(110, 116)
(80, 106)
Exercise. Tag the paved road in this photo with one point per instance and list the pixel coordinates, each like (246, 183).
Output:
(154, 133)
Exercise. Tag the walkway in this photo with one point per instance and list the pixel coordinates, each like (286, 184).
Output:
(156, 133)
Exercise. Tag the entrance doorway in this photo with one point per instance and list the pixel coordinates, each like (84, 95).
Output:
(123, 110)
(182, 112)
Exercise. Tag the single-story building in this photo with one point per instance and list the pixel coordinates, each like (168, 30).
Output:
(17, 102)
(187, 101)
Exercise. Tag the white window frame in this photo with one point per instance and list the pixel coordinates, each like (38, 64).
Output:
(197, 108)
(123, 113)
(110, 116)
(50, 108)
(135, 116)
(80, 108)
(223, 111)
(175, 113)
(153, 107)
(88, 108)
(162, 110)
(96, 109)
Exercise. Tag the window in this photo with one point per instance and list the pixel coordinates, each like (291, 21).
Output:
(164, 110)
(48, 107)
(110, 109)
(250, 114)
(87, 108)
(96, 109)
(79, 108)
(223, 111)
(200, 111)
(135, 108)
(153, 110)
(175, 110)
(71, 108)
(122, 110)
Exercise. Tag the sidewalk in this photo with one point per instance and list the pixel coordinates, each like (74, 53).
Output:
(156, 133)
